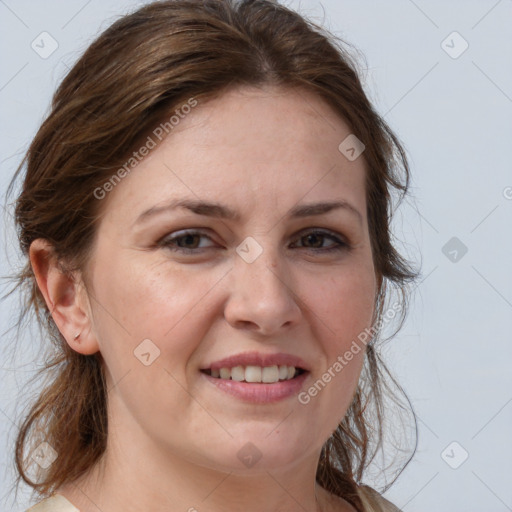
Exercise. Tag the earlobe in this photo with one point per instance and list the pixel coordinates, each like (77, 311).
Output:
(62, 294)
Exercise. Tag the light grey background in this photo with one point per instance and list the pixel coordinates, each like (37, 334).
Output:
(454, 354)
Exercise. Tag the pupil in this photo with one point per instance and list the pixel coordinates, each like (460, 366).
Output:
(188, 239)
(314, 237)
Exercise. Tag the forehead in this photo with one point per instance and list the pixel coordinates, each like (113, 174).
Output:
(248, 117)
(248, 146)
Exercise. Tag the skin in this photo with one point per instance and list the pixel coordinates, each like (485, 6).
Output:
(174, 438)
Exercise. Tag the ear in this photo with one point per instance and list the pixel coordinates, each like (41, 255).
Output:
(65, 296)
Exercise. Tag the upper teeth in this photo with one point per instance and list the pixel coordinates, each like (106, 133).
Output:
(266, 374)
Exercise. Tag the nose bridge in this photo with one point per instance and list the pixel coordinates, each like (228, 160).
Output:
(258, 264)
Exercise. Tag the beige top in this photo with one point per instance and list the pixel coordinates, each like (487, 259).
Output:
(372, 501)
(55, 503)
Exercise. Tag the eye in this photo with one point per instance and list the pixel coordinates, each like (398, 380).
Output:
(316, 238)
(185, 241)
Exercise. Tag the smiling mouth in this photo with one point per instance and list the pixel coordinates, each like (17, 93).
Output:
(256, 374)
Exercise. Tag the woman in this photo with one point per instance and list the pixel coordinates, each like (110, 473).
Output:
(205, 214)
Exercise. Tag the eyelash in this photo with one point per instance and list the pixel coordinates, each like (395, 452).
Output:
(169, 242)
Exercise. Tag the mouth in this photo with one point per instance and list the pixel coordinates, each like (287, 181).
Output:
(256, 374)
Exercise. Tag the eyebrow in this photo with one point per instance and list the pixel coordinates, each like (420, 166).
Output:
(217, 210)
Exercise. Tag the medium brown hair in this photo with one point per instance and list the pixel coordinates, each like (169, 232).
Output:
(141, 68)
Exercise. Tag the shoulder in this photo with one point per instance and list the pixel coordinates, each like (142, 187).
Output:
(373, 501)
(55, 503)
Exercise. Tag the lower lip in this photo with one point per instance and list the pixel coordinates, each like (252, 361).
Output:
(259, 393)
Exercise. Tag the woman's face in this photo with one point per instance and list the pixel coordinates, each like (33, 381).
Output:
(274, 283)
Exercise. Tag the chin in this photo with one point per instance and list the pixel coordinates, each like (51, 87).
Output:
(246, 454)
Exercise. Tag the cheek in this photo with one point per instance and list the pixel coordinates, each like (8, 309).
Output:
(344, 304)
(343, 308)
(160, 302)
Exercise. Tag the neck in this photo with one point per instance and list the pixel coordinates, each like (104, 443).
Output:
(146, 477)
(193, 489)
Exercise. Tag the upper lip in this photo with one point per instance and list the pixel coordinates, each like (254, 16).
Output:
(258, 359)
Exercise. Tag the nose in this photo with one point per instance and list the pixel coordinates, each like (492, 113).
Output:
(261, 297)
